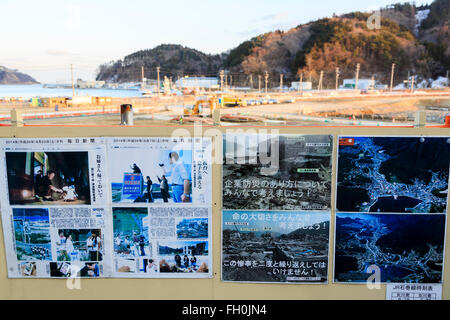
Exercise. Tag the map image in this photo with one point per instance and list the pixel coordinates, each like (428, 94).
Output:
(406, 248)
(393, 174)
(277, 172)
(275, 246)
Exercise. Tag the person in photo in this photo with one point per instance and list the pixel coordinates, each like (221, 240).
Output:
(46, 188)
(180, 179)
(69, 246)
(149, 189)
(164, 186)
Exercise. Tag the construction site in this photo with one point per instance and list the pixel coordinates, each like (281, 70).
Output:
(233, 107)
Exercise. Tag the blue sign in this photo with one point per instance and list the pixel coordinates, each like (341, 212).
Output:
(132, 185)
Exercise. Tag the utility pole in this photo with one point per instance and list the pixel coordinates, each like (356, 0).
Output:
(281, 82)
(251, 81)
(259, 83)
(226, 82)
(337, 78)
(392, 77)
(73, 86)
(300, 84)
(266, 78)
(157, 72)
(221, 74)
(320, 81)
(142, 75)
(358, 66)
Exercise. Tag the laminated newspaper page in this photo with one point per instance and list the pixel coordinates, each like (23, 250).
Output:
(276, 196)
(161, 207)
(54, 207)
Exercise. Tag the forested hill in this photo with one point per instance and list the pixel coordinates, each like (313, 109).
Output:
(174, 60)
(10, 76)
(419, 47)
(415, 38)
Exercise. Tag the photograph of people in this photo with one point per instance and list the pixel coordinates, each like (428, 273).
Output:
(130, 226)
(90, 269)
(48, 178)
(93, 243)
(61, 269)
(150, 176)
(28, 269)
(183, 256)
(180, 178)
(148, 266)
(79, 245)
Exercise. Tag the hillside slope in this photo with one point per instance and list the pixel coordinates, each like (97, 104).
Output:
(174, 60)
(10, 76)
(416, 39)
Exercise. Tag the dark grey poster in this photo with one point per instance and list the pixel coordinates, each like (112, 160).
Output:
(275, 246)
(277, 172)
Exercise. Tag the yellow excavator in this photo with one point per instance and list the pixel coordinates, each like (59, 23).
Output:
(196, 110)
(233, 102)
(213, 102)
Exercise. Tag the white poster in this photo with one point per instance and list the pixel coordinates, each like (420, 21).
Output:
(413, 291)
(161, 207)
(97, 207)
(54, 207)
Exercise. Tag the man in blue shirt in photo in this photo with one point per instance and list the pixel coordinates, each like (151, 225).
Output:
(180, 179)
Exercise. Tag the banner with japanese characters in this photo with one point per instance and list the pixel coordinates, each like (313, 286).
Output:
(54, 207)
(277, 172)
(391, 204)
(276, 196)
(275, 246)
(161, 191)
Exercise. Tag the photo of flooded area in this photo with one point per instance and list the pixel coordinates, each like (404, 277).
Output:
(32, 234)
(275, 246)
(403, 248)
(277, 172)
(393, 174)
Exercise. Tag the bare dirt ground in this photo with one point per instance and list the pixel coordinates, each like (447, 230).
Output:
(402, 109)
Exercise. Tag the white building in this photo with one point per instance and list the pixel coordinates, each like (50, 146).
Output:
(363, 84)
(90, 84)
(305, 85)
(198, 82)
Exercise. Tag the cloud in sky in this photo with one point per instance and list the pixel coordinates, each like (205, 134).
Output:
(56, 52)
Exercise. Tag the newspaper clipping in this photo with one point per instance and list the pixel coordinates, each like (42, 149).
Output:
(161, 207)
(98, 207)
(54, 207)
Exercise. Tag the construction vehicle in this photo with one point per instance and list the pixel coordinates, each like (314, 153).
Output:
(196, 109)
(213, 102)
(233, 102)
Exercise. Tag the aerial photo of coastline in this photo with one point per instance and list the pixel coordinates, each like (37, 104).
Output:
(405, 247)
(393, 174)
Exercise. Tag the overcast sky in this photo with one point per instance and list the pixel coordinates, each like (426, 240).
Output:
(42, 38)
